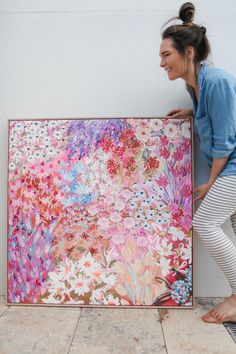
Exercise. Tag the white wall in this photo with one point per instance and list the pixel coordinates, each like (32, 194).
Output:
(95, 58)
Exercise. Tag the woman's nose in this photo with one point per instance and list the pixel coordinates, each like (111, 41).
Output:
(162, 62)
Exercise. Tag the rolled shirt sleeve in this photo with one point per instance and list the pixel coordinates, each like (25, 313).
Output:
(222, 113)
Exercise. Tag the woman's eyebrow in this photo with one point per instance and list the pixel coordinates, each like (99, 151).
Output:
(164, 52)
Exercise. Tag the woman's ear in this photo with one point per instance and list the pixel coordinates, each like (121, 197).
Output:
(190, 53)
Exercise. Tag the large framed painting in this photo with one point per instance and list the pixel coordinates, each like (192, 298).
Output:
(99, 212)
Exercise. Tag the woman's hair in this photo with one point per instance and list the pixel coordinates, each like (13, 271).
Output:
(188, 34)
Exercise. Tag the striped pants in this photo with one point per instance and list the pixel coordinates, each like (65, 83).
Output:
(218, 205)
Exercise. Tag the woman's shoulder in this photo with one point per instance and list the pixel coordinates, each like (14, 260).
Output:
(214, 75)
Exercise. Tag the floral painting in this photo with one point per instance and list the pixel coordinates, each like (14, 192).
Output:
(99, 212)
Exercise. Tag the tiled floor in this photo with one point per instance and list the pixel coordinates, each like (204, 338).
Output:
(31, 330)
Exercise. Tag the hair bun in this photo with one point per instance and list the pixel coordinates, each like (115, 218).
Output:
(186, 12)
(203, 29)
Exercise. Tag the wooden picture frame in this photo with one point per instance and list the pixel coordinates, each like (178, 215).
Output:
(99, 212)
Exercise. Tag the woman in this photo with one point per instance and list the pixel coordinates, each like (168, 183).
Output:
(213, 91)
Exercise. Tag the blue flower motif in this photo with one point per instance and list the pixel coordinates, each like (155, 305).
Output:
(188, 277)
(85, 198)
(180, 291)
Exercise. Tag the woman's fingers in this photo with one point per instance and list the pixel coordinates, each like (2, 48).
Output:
(174, 112)
(199, 195)
(180, 112)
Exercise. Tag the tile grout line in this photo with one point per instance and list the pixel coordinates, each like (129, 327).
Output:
(70, 345)
(162, 329)
(4, 311)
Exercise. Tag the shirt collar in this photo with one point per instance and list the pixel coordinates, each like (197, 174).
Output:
(201, 75)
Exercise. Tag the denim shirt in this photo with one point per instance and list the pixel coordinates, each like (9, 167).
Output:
(215, 116)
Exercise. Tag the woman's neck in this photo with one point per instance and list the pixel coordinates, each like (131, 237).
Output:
(192, 78)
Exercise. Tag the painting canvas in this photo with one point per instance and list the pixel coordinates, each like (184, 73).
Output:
(99, 212)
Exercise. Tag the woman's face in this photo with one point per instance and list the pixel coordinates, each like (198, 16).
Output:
(172, 61)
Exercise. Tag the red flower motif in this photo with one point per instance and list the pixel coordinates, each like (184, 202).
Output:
(129, 165)
(106, 144)
(151, 164)
(119, 151)
(178, 215)
(112, 167)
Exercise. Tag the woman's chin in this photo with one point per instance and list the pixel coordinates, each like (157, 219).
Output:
(171, 77)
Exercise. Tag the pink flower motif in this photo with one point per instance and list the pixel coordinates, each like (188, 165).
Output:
(164, 140)
(115, 217)
(109, 200)
(129, 222)
(101, 206)
(126, 193)
(119, 204)
(142, 233)
(173, 207)
(118, 237)
(103, 223)
(142, 242)
(186, 223)
(93, 210)
(162, 181)
(112, 230)
(186, 191)
(164, 152)
(178, 154)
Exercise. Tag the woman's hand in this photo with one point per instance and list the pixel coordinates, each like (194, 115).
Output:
(202, 191)
(180, 112)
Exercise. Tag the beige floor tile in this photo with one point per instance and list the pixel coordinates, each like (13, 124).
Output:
(88, 349)
(118, 331)
(3, 306)
(37, 330)
(186, 333)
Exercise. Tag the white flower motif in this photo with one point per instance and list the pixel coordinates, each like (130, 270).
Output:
(164, 248)
(165, 264)
(185, 129)
(31, 158)
(186, 252)
(31, 139)
(110, 300)
(143, 133)
(109, 279)
(97, 296)
(58, 134)
(12, 166)
(134, 122)
(176, 234)
(86, 263)
(170, 130)
(80, 285)
(156, 124)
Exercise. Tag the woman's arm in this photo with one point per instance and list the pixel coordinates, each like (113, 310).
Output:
(180, 112)
(217, 166)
